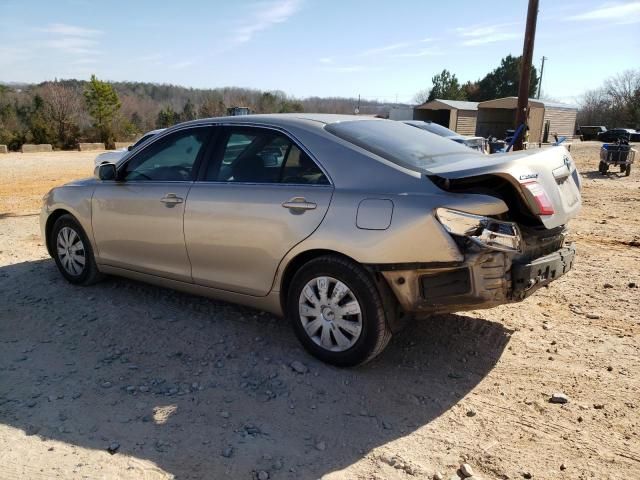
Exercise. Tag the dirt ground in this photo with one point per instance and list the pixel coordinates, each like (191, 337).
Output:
(185, 387)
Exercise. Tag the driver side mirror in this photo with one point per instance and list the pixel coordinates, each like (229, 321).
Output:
(107, 171)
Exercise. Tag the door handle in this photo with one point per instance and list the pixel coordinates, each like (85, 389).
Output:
(299, 203)
(171, 199)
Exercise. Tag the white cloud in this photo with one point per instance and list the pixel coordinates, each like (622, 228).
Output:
(84, 61)
(475, 31)
(425, 52)
(151, 58)
(326, 60)
(74, 45)
(10, 55)
(72, 40)
(484, 34)
(265, 16)
(70, 30)
(183, 64)
(490, 38)
(345, 69)
(618, 12)
(386, 48)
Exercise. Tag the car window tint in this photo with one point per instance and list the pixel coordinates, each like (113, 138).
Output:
(142, 140)
(236, 144)
(402, 144)
(169, 159)
(299, 168)
(254, 155)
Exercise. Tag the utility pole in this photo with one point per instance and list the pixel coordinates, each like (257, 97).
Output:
(541, 72)
(525, 71)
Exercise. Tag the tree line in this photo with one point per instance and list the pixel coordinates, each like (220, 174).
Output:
(501, 82)
(615, 104)
(66, 112)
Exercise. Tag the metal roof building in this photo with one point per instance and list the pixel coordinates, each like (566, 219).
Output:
(456, 115)
(545, 118)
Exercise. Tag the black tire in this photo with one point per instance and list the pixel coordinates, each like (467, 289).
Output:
(627, 171)
(86, 274)
(623, 168)
(604, 168)
(375, 332)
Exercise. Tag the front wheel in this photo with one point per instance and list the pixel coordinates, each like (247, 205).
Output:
(627, 170)
(603, 168)
(72, 252)
(337, 311)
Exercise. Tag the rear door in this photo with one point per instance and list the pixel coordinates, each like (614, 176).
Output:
(260, 195)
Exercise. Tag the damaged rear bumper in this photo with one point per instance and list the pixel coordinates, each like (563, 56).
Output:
(484, 280)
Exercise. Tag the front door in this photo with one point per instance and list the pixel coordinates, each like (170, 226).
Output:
(138, 219)
(261, 195)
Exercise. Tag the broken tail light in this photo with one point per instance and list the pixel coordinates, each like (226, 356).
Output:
(484, 231)
(543, 202)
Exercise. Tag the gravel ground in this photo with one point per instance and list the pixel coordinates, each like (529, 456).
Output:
(126, 380)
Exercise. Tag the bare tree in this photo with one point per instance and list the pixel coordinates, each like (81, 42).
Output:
(62, 106)
(616, 104)
(621, 88)
(422, 96)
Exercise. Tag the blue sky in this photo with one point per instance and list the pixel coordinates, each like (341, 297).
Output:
(379, 49)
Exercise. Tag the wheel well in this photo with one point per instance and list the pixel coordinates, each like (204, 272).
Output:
(51, 220)
(295, 264)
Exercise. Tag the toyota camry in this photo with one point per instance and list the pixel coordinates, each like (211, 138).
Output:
(348, 226)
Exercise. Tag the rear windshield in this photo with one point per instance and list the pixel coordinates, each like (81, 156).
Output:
(433, 128)
(397, 142)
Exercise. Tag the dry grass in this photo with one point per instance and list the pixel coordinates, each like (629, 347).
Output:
(21, 194)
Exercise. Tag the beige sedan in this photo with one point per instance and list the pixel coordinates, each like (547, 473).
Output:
(348, 226)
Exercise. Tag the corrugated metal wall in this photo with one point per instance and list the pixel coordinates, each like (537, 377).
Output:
(466, 122)
(563, 121)
(535, 123)
(453, 119)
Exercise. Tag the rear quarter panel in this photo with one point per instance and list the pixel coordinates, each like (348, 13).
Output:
(414, 235)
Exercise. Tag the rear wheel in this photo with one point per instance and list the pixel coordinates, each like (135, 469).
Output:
(337, 311)
(623, 168)
(72, 252)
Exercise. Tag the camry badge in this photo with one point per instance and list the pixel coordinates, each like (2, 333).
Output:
(528, 176)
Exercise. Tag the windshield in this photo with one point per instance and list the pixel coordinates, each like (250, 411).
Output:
(142, 140)
(433, 128)
(397, 142)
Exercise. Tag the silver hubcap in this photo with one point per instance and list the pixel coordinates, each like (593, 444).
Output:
(70, 251)
(330, 314)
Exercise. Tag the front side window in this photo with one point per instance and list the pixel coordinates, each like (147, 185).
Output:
(264, 156)
(170, 159)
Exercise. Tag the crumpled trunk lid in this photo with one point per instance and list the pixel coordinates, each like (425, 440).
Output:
(552, 169)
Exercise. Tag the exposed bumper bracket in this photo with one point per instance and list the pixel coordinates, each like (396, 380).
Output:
(527, 278)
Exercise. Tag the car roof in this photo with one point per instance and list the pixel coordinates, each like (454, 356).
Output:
(287, 119)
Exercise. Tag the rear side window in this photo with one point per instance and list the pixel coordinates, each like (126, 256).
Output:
(254, 155)
(397, 142)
